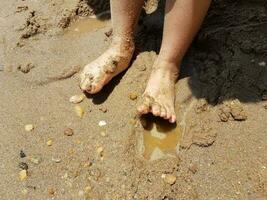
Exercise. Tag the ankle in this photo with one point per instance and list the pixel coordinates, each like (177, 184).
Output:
(123, 44)
(167, 65)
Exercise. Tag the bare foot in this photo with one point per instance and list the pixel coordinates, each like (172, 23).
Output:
(114, 61)
(159, 96)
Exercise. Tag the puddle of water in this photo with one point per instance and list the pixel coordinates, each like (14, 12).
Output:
(161, 138)
(86, 25)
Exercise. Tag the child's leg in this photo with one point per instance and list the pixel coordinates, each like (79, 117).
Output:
(124, 14)
(182, 21)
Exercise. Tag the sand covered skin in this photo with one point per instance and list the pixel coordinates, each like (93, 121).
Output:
(48, 151)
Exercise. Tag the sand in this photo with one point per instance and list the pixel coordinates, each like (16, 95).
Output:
(219, 102)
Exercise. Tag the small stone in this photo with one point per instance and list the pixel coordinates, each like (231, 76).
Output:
(262, 64)
(22, 154)
(88, 189)
(103, 134)
(168, 178)
(23, 165)
(100, 150)
(51, 192)
(36, 159)
(87, 164)
(56, 160)
(23, 175)
(193, 168)
(26, 68)
(1, 67)
(265, 106)
(49, 142)
(24, 191)
(133, 96)
(77, 99)
(102, 123)
(79, 111)
(29, 127)
(68, 132)
(104, 110)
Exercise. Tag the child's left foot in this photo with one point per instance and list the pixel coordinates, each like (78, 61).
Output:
(159, 96)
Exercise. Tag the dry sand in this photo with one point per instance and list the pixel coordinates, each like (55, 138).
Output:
(219, 99)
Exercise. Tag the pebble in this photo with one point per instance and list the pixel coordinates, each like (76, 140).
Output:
(29, 127)
(262, 64)
(104, 110)
(88, 189)
(26, 68)
(22, 154)
(23, 165)
(102, 123)
(100, 150)
(24, 191)
(265, 106)
(68, 132)
(133, 96)
(168, 178)
(79, 111)
(103, 134)
(36, 160)
(51, 191)
(193, 168)
(56, 160)
(23, 175)
(49, 142)
(77, 99)
(1, 67)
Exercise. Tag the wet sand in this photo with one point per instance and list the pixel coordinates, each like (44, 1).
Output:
(217, 150)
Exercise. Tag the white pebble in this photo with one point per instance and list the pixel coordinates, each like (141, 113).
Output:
(262, 64)
(77, 98)
(56, 160)
(102, 123)
(29, 127)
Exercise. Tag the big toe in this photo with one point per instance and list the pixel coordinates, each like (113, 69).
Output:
(86, 84)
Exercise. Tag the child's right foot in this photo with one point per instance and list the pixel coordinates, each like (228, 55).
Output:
(114, 61)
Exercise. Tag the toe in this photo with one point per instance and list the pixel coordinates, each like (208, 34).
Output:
(163, 112)
(86, 86)
(172, 118)
(156, 109)
(86, 83)
(143, 109)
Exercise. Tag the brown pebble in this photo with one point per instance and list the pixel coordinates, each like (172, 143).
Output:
(133, 96)
(26, 68)
(51, 191)
(68, 132)
(193, 168)
(104, 110)
(265, 106)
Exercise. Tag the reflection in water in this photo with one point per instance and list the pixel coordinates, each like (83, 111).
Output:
(85, 25)
(160, 138)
